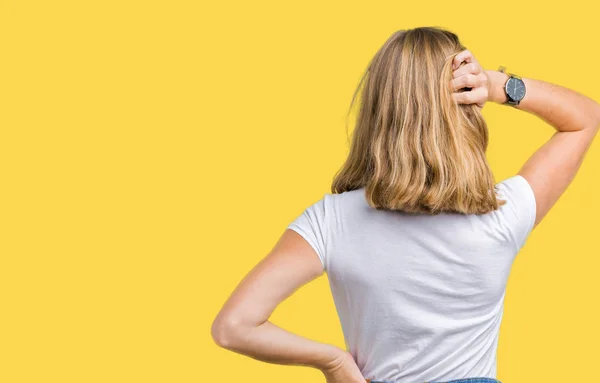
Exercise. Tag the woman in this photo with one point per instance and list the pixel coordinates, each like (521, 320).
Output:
(417, 238)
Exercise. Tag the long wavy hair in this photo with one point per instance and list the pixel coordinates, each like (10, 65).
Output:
(414, 148)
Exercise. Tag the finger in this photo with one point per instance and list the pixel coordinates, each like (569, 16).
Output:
(467, 80)
(473, 68)
(466, 56)
(475, 96)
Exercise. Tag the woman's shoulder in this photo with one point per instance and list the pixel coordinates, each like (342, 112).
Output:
(518, 212)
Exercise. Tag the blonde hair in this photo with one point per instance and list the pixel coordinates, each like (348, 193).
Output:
(413, 147)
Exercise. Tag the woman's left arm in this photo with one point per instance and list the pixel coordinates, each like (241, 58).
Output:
(242, 325)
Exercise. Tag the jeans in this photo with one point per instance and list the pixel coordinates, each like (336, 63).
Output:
(465, 380)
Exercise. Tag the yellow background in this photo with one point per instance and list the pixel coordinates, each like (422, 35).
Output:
(152, 152)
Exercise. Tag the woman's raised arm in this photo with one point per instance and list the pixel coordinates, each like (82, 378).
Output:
(576, 118)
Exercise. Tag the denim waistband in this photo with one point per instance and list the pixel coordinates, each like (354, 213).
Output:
(464, 380)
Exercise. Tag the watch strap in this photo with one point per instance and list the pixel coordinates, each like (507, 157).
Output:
(503, 70)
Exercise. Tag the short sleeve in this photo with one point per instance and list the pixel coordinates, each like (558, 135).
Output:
(312, 226)
(519, 211)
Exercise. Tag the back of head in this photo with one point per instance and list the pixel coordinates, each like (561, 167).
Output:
(414, 148)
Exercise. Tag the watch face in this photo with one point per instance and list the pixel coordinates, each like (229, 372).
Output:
(515, 88)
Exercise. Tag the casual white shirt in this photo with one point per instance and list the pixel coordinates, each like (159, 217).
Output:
(419, 297)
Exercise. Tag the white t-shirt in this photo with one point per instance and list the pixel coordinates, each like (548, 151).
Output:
(419, 297)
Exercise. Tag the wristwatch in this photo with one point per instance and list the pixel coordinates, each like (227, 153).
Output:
(514, 88)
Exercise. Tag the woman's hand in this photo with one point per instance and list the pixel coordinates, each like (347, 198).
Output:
(471, 75)
(343, 370)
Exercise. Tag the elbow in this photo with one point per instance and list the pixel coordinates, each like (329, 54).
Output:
(591, 119)
(223, 332)
(595, 125)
